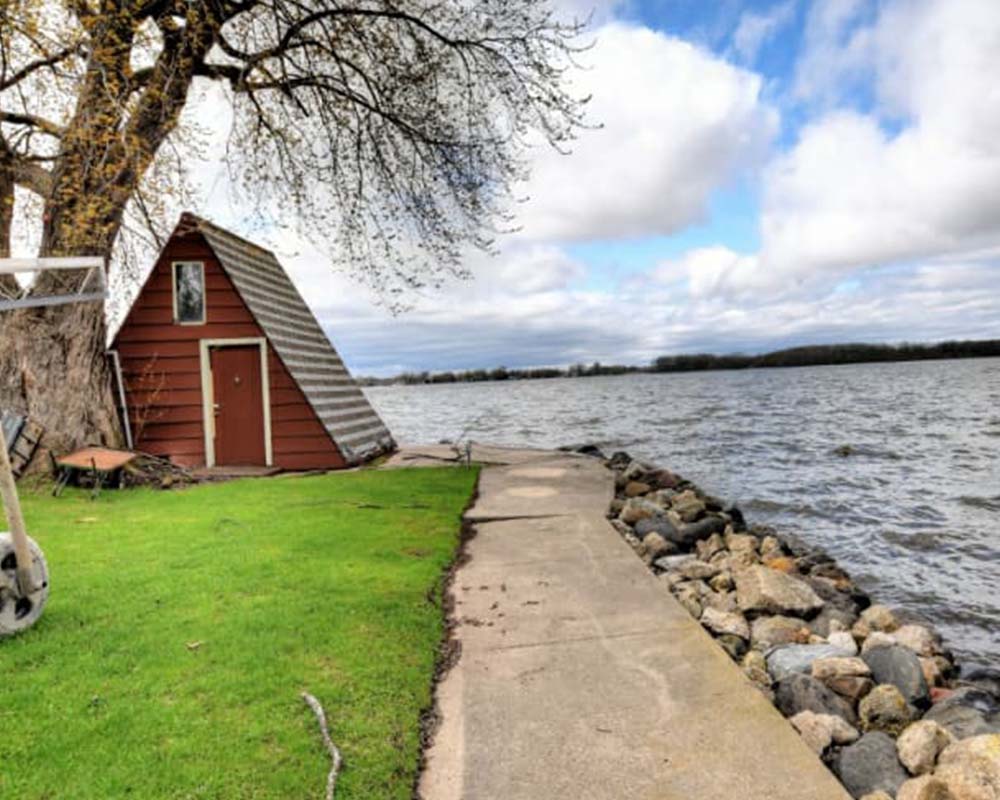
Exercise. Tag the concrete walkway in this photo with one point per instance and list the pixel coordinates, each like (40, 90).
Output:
(580, 676)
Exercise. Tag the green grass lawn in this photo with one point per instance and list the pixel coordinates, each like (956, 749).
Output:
(328, 584)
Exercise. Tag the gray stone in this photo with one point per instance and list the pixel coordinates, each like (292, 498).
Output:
(789, 658)
(763, 590)
(899, 666)
(690, 534)
(968, 712)
(800, 692)
(870, 765)
(835, 595)
(830, 618)
(657, 523)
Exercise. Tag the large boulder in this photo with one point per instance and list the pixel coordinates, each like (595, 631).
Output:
(797, 692)
(967, 712)
(870, 765)
(689, 534)
(885, 709)
(657, 523)
(919, 745)
(899, 666)
(760, 590)
(971, 768)
(789, 658)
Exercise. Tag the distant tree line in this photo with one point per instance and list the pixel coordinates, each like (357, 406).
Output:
(817, 355)
(807, 356)
(504, 374)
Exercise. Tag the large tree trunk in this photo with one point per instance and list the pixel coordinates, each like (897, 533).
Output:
(53, 367)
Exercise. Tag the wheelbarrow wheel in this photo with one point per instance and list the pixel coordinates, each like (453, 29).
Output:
(19, 612)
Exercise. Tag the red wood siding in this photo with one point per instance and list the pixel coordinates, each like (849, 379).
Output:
(161, 365)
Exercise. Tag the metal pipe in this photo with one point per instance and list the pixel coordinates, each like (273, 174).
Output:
(18, 532)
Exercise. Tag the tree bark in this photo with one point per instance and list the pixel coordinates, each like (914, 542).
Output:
(53, 368)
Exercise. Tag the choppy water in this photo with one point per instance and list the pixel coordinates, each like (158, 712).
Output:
(914, 514)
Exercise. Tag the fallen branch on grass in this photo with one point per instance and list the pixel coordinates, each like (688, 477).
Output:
(335, 758)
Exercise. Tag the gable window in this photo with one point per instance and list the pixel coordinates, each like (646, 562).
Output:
(189, 292)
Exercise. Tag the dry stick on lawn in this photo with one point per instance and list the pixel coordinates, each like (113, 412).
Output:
(331, 781)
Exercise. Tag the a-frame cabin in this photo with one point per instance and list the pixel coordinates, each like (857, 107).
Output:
(224, 365)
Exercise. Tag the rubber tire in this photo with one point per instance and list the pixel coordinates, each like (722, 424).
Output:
(14, 619)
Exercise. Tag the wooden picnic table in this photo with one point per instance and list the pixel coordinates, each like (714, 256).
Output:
(102, 463)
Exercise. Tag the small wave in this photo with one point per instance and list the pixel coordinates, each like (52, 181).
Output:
(985, 503)
(923, 542)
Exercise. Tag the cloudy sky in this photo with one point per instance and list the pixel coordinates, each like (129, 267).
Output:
(768, 174)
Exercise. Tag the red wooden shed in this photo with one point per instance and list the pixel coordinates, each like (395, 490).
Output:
(224, 364)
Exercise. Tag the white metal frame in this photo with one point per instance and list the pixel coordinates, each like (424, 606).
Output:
(204, 292)
(208, 393)
(94, 265)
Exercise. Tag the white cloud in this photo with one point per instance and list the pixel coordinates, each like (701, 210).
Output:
(678, 122)
(850, 194)
(755, 30)
(836, 48)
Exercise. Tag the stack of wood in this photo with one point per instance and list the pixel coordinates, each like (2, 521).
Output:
(159, 473)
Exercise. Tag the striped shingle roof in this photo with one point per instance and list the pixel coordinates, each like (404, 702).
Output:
(299, 341)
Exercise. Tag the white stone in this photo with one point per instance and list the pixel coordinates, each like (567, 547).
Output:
(842, 639)
(723, 622)
(919, 745)
(916, 637)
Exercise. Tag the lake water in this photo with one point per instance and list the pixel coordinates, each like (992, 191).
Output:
(913, 514)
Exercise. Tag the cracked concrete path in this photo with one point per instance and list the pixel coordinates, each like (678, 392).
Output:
(580, 676)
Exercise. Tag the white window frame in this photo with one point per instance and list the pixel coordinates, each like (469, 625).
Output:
(204, 292)
(208, 393)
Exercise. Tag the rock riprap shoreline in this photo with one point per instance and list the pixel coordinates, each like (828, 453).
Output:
(873, 691)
